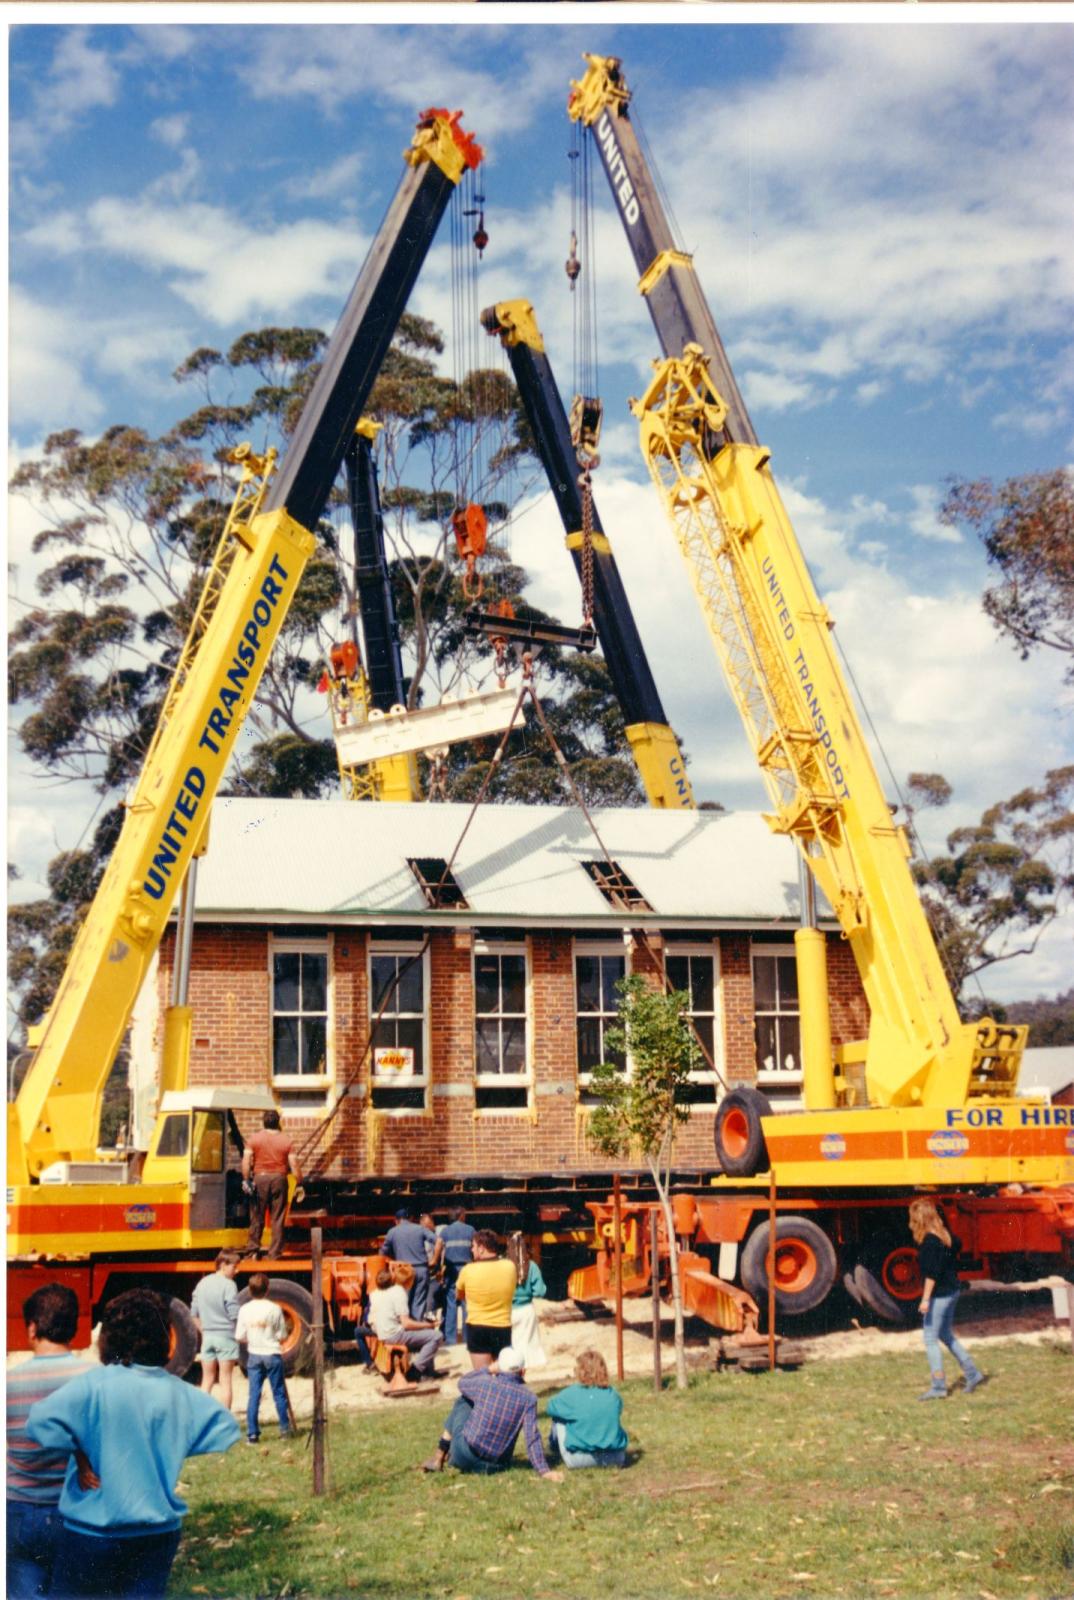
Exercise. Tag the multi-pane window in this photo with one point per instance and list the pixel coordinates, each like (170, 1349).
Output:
(397, 982)
(299, 1014)
(776, 1020)
(693, 973)
(500, 1046)
(596, 1004)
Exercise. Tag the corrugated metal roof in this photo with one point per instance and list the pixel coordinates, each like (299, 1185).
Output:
(337, 860)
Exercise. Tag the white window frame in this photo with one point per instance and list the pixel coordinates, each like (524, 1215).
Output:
(710, 950)
(789, 1081)
(307, 1084)
(505, 1080)
(620, 948)
(400, 947)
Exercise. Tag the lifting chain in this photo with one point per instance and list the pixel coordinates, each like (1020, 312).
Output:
(585, 483)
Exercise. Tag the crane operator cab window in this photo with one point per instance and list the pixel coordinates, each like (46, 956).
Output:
(776, 1024)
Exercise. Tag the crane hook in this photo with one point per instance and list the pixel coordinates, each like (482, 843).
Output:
(572, 266)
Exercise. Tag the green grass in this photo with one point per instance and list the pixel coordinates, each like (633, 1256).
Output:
(823, 1482)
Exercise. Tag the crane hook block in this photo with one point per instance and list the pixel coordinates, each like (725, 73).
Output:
(587, 417)
(470, 526)
(572, 266)
(344, 659)
(481, 237)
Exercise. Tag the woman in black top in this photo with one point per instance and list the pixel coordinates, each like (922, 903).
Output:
(936, 1255)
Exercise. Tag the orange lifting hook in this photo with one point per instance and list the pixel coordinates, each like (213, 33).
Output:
(470, 526)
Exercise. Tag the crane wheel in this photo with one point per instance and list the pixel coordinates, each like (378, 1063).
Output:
(888, 1280)
(739, 1137)
(805, 1265)
(296, 1303)
(183, 1338)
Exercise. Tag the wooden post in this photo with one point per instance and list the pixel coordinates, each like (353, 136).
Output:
(318, 1361)
(770, 1268)
(617, 1223)
(654, 1273)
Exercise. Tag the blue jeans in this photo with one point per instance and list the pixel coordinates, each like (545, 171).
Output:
(938, 1329)
(462, 1455)
(33, 1533)
(419, 1292)
(557, 1445)
(93, 1565)
(451, 1306)
(258, 1369)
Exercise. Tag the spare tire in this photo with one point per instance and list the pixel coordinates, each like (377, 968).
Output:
(806, 1265)
(740, 1147)
(184, 1340)
(888, 1279)
(296, 1303)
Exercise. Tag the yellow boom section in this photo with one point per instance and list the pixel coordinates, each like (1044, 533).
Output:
(252, 584)
(772, 635)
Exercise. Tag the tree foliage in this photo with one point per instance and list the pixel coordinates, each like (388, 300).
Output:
(129, 524)
(1001, 881)
(642, 1105)
(1027, 527)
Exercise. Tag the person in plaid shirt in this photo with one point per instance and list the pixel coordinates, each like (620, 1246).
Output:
(493, 1408)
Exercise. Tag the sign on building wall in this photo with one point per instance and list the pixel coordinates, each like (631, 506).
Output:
(393, 1062)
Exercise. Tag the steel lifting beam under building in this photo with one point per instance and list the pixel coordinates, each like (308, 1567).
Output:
(656, 751)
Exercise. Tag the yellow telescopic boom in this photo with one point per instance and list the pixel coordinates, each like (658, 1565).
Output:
(243, 607)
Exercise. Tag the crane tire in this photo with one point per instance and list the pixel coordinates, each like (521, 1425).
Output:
(296, 1303)
(739, 1137)
(888, 1280)
(806, 1265)
(184, 1340)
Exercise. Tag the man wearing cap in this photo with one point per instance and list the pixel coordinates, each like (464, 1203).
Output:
(407, 1242)
(493, 1408)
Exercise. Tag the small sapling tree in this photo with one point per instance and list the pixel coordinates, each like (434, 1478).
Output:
(641, 1106)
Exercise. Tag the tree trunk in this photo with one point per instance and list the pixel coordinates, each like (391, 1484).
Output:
(673, 1263)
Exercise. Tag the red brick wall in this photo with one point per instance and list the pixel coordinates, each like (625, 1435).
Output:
(230, 996)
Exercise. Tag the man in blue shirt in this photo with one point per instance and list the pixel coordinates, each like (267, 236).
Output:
(35, 1476)
(407, 1242)
(457, 1242)
(134, 1425)
(493, 1408)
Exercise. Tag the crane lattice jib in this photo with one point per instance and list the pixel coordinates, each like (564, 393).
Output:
(771, 634)
(248, 594)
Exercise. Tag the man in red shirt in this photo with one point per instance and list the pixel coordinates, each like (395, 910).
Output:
(268, 1158)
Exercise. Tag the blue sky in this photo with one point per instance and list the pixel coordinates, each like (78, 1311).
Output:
(878, 216)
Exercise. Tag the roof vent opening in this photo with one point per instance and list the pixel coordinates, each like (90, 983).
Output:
(436, 883)
(616, 886)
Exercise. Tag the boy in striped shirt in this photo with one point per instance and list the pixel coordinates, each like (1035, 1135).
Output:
(35, 1476)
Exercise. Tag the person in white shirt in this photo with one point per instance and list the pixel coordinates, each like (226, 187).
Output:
(392, 1323)
(262, 1329)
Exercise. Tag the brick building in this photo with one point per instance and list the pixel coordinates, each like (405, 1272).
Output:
(316, 918)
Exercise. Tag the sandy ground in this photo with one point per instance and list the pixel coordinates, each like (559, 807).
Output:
(1024, 1313)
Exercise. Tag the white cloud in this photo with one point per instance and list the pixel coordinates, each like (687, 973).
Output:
(225, 268)
(328, 67)
(924, 519)
(338, 179)
(47, 355)
(170, 130)
(79, 80)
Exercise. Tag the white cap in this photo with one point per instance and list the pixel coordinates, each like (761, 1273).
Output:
(510, 1359)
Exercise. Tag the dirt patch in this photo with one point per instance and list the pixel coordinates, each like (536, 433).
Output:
(1023, 1313)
